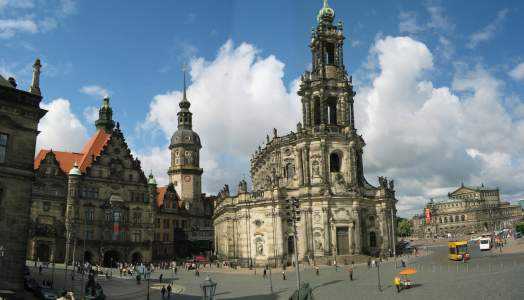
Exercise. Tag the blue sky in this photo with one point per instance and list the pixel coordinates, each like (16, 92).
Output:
(134, 52)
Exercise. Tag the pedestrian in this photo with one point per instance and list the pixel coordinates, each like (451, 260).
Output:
(265, 274)
(283, 275)
(335, 264)
(350, 274)
(176, 270)
(160, 277)
(40, 269)
(397, 283)
(317, 270)
(402, 263)
(369, 263)
(168, 291)
(163, 292)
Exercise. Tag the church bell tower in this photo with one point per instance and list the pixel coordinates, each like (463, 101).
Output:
(327, 91)
(185, 172)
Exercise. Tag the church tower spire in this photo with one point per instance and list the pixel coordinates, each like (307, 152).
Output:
(105, 117)
(184, 115)
(327, 91)
(185, 172)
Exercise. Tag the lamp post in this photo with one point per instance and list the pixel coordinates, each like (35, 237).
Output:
(208, 287)
(293, 216)
(148, 275)
(378, 276)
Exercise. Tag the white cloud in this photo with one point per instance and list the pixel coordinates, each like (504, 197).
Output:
(95, 91)
(29, 16)
(236, 99)
(489, 31)
(10, 27)
(429, 138)
(91, 114)
(408, 23)
(518, 72)
(60, 129)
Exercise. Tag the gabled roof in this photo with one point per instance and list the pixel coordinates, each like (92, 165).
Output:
(66, 160)
(161, 195)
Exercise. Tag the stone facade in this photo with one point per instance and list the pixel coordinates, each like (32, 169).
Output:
(183, 219)
(94, 205)
(467, 210)
(99, 206)
(20, 113)
(342, 215)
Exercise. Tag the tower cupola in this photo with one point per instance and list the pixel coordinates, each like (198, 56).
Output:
(105, 117)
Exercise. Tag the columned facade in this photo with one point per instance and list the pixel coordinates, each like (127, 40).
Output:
(342, 215)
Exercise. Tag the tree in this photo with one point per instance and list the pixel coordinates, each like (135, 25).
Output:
(520, 227)
(404, 227)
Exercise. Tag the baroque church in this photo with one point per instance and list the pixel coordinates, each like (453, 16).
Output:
(342, 215)
(98, 205)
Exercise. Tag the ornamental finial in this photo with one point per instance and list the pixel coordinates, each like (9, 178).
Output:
(35, 84)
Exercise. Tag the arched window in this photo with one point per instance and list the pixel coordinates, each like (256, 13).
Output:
(456, 218)
(316, 111)
(330, 54)
(445, 219)
(463, 218)
(334, 162)
(440, 220)
(332, 111)
(372, 239)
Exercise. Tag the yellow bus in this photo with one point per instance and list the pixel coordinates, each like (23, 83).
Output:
(458, 250)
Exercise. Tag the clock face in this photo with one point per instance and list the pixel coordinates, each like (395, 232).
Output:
(187, 178)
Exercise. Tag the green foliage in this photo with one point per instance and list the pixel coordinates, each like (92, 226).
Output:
(404, 227)
(520, 227)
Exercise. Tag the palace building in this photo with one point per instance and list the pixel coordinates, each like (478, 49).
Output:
(20, 114)
(97, 204)
(342, 215)
(467, 210)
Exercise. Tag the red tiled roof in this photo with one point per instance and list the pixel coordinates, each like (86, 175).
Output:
(92, 149)
(66, 160)
(161, 192)
(161, 195)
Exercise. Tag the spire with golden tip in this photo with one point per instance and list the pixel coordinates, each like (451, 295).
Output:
(35, 84)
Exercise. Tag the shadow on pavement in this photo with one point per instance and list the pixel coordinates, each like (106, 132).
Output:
(326, 283)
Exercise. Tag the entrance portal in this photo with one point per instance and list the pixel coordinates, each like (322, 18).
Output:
(111, 258)
(290, 245)
(42, 252)
(342, 241)
(88, 257)
(136, 258)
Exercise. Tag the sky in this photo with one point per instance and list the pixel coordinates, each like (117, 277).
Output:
(440, 84)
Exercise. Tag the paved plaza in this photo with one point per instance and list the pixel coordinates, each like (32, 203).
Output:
(488, 275)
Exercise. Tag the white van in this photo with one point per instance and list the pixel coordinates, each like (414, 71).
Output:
(485, 244)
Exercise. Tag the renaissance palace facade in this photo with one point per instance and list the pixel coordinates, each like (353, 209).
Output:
(342, 215)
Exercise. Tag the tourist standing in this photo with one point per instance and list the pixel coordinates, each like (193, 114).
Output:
(163, 292)
(283, 275)
(350, 274)
(168, 291)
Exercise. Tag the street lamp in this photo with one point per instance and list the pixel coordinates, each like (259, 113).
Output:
(208, 287)
(293, 216)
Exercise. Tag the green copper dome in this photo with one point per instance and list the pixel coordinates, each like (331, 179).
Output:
(151, 180)
(326, 13)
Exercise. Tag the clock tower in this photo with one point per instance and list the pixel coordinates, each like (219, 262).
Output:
(185, 172)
